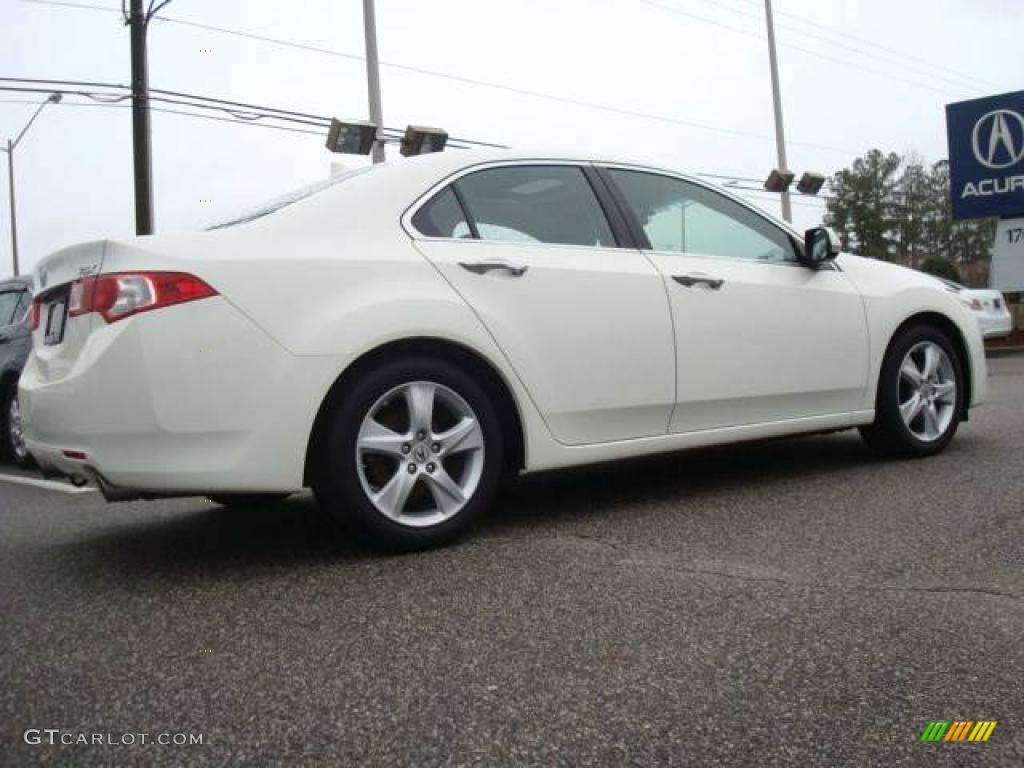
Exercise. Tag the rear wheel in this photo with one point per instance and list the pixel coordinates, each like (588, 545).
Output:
(413, 454)
(920, 395)
(13, 433)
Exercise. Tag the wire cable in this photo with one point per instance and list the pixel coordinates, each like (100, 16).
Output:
(477, 82)
(891, 58)
(791, 46)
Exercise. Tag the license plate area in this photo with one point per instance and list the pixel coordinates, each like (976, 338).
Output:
(54, 319)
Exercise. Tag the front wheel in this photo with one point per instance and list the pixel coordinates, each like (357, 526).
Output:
(920, 395)
(13, 433)
(413, 454)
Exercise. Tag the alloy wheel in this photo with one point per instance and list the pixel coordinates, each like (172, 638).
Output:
(420, 453)
(927, 391)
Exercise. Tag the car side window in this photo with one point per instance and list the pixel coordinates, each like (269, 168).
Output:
(8, 302)
(687, 218)
(22, 307)
(552, 204)
(442, 216)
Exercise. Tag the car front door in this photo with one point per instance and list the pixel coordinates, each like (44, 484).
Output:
(759, 337)
(584, 323)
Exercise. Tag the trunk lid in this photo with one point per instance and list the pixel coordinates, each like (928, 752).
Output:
(59, 339)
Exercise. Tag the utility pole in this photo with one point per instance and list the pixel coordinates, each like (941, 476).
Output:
(138, 20)
(53, 98)
(780, 132)
(373, 77)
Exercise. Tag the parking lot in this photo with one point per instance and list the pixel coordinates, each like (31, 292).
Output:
(788, 603)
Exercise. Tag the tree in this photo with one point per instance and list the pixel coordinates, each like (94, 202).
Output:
(861, 207)
(898, 209)
(941, 267)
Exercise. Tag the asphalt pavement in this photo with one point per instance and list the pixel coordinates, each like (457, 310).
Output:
(787, 603)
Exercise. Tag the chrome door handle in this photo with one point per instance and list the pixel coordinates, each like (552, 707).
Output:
(483, 267)
(714, 283)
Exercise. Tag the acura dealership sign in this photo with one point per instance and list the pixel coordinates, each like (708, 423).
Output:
(986, 156)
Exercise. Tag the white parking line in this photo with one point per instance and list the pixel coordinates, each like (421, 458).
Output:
(48, 485)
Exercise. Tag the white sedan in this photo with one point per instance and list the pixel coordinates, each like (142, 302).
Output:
(403, 337)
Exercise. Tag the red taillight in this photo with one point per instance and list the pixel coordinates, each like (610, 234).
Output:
(124, 294)
(34, 314)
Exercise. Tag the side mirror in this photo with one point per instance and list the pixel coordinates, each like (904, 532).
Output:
(821, 244)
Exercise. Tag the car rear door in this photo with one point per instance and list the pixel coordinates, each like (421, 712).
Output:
(584, 323)
(759, 337)
(12, 330)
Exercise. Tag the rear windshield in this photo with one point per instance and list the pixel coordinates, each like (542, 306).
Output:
(283, 201)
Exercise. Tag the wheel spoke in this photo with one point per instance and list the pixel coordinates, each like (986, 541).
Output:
(931, 421)
(447, 494)
(912, 408)
(392, 497)
(376, 438)
(911, 372)
(945, 392)
(931, 360)
(464, 436)
(420, 398)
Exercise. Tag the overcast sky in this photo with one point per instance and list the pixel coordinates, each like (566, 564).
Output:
(856, 74)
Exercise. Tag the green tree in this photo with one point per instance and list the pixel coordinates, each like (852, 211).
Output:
(898, 209)
(861, 209)
(941, 267)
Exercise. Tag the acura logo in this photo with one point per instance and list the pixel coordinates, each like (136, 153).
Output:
(998, 139)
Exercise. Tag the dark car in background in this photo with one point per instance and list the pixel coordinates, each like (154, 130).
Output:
(15, 345)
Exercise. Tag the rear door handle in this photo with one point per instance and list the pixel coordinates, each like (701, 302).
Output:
(483, 267)
(713, 283)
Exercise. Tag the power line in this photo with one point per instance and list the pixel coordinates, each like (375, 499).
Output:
(726, 181)
(791, 46)
(890, 58)
(391, 135)
(175, 112)
(471, 81)
(868, 42)
(253, 111)
(744, 191)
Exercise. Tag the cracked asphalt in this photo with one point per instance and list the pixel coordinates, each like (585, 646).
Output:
(787, 603)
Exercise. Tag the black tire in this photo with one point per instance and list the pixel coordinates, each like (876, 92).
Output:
(13, 449)
(241, 500)
(339, 477)
(889, 436)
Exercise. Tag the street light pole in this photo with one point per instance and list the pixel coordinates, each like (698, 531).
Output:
(780, 131)
(373, 76)
(14, 213)
(53, 98)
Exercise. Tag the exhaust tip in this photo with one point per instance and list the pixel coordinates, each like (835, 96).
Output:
(112, 492)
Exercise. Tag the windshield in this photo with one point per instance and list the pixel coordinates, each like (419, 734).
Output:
(283, 201)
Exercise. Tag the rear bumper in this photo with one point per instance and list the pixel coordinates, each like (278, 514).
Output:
(193, 398)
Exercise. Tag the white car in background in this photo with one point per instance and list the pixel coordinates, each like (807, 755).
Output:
(988, 306)
(405, 336)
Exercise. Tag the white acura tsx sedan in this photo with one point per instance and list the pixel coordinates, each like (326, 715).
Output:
(402, 337)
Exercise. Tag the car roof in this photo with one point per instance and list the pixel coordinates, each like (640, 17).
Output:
(16, 282)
